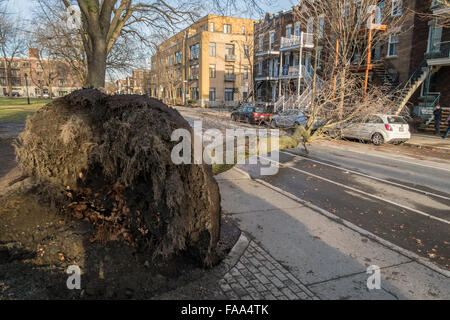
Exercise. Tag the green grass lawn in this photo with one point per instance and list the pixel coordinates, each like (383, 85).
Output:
(17, 109)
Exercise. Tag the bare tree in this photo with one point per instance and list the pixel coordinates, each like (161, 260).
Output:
(12, 45)
(441, 15)
(345, 33)
(104, 22)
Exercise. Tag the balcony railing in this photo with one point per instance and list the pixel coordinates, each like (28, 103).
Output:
(289, 72)
(439, 51)
(230, 57)
(230, 77)
(304, 39)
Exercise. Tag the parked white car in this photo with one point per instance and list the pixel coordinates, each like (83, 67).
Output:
(379, 128)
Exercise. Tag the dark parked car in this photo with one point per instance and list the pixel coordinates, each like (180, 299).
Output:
(289, 118)
(251, 114)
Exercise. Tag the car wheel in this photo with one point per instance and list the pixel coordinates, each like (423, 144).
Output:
(233, 117)
(377, 139)
(273, 124)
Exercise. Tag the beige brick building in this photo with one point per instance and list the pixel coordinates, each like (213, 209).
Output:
(210, 63)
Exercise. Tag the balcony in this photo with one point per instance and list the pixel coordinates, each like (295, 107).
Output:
(230, 77)
(289, 72)
(439, 54)
(230, 58)
(193, 77)
(295, 42)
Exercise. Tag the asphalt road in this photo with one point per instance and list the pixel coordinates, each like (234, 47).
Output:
(398, 198)
(401, 194)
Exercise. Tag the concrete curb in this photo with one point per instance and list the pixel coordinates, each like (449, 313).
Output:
(420, 146)
(232, 258)
(414, 257)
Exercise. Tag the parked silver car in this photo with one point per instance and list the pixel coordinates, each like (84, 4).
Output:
(288, 119)
(378, 128)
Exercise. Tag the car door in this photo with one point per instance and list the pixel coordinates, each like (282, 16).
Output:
(371, 125)
(242, 114)
(283, 122)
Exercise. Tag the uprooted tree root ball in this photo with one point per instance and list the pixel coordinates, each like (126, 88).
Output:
(107, 160)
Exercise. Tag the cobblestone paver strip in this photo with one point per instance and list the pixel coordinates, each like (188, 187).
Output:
(257, 276)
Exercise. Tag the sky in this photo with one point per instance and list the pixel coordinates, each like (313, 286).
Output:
(24, 7)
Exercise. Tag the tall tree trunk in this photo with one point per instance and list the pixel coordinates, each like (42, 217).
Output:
(9, 79)
(96, 62)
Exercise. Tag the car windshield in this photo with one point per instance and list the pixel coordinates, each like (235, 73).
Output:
(259, 110)
(396, 120)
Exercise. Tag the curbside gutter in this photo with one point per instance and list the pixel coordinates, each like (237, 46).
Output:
(421, 146)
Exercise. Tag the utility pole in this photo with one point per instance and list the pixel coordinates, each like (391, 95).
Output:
(185, 80)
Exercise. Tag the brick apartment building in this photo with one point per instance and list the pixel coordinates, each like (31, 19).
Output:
(210, 63)
(415, 57)
(44, 77)
(138, 83)
(278, 39)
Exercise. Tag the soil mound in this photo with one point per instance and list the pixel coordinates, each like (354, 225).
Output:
(106, 159)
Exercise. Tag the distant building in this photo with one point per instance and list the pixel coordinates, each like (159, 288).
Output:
(44, 77)
(209, 63)
(138, 83)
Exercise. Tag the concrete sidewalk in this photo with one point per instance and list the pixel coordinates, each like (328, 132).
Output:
(329, 256)
(429, 141)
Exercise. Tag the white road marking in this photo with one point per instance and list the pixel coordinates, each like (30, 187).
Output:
(368, 176)
(396, 158)
(360, 191)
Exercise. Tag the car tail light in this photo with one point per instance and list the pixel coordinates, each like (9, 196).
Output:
(255, 114)
(388, 127)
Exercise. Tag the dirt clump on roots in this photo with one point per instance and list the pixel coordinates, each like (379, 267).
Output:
(107, 160)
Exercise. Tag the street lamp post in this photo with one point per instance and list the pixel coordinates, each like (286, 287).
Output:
(26, 84)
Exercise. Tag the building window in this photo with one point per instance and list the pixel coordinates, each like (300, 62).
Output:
(297, 29)
(229, 70)
(381, 6)
(229, 49)
(212, 94)
(212, 70)
(321, 23)
(245, 73)
(227, 28)
(246, 52)
(194, 93)
(272, 40)
(319, 58)
(396, 7)
(178, 57)
(261, 43)
(212, 49)
(195, 51)
(434, 38)
(211, 27)
(310, 26)
(194, 72)
(229, 94)
(393, 45)
(288, 31)
(260, 68)
(243, 30)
